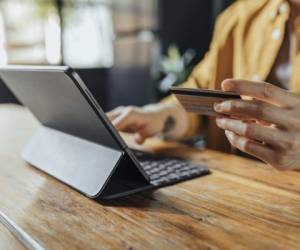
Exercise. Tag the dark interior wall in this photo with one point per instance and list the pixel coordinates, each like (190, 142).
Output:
(96, 80)
(185, 23)
(130, 86)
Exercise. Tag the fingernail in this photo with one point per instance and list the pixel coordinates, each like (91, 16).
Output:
(228, 133)
(221, 107)
(220, 122)
(217, 107)
(225, 106)
(227, 85)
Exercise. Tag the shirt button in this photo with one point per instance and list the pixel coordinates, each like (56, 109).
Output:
(256, 77)
(276, 33)
(282, 8)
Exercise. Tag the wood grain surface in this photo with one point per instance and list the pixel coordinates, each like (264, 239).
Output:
(243, 204)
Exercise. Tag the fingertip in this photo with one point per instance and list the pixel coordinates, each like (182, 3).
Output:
(110, 117)
(219, 122)
(228, 134)
(139, 139)
(122, 122)
(228, 85)
(217, 107)
(115, 123)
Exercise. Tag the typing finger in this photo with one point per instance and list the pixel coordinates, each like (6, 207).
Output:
(114, 113)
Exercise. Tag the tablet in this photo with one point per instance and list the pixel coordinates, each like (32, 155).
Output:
(201, 101)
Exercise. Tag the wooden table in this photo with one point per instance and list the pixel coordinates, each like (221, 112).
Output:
(241, 205)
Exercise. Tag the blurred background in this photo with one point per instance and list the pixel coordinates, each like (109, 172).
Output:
(128, 52)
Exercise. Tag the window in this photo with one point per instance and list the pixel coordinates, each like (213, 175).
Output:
(82, 33)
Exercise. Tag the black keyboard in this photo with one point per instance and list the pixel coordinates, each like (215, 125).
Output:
(164, 170)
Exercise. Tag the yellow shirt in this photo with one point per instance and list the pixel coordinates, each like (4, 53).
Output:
(246, 41)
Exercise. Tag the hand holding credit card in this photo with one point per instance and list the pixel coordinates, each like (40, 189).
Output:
(201, 101)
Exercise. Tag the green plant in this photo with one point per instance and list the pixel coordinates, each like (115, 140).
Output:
(176, 67)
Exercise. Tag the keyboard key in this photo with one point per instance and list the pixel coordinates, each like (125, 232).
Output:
(168, 170)
(155, 177)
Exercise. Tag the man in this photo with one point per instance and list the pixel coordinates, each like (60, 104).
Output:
(257, 42)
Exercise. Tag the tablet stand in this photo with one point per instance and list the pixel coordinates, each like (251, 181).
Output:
(84, 165)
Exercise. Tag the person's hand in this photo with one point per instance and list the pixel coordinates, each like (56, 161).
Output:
(268, 127)
(150, 120)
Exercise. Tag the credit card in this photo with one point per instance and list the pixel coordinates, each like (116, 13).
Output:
(201, 101)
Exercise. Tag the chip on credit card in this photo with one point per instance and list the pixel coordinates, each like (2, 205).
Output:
(201, 101)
